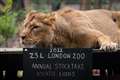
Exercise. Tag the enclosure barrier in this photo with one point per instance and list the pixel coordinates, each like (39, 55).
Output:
(106, 65)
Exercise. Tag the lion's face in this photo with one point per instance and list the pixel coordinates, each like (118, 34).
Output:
(37, 29)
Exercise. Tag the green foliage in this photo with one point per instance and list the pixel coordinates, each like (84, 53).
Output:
(7, 6)
(7, 25)
(39, 1)
(2, 39)
(71, 1)
(43, 9)
(40, 5)
(20, 15)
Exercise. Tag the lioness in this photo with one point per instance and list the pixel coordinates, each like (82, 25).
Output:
(71, 28)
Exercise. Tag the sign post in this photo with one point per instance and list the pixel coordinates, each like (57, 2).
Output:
(57, 64)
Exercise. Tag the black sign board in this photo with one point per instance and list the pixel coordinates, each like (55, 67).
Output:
(57, 64)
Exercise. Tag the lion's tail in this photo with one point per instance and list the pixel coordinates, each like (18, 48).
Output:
(116, 17)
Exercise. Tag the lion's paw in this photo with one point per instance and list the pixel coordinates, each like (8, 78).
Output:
(109, 46)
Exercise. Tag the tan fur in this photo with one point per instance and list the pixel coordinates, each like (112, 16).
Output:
(72, 29)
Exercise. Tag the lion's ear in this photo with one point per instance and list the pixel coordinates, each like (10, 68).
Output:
(49, 19)
(30, 13)
(35, 14)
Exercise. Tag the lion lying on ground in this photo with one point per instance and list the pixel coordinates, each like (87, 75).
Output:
(71, 28)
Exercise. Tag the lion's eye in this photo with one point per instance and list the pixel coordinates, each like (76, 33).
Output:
(35, 29)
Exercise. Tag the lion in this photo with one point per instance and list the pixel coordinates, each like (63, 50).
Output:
(70, 28)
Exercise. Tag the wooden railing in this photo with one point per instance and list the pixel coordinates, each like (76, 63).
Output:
(11, 64)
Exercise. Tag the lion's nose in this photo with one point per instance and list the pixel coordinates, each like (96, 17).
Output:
(22, 36)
